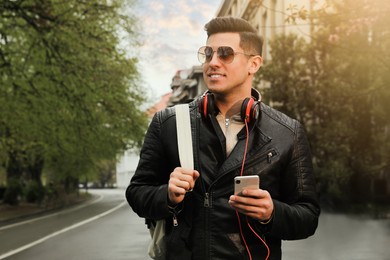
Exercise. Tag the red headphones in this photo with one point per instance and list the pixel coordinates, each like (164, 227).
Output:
(250, 108)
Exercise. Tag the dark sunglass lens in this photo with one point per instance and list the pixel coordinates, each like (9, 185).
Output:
(226, 54)
(208, 51)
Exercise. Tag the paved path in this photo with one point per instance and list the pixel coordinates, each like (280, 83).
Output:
(342, 237)
(121, 234)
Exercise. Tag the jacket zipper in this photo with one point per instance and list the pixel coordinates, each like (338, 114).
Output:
(269, 156)
(264, 156)
(206, 198)
(175, 222)
(206, 202)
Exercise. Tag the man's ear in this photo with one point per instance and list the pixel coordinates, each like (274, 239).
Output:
(255, 64)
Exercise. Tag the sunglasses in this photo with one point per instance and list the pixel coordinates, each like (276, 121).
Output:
(224, 53)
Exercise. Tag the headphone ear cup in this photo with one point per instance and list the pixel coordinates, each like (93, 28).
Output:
(206, 105)
(255, 111)
(250, 110)
(202, 106)
(246, 109)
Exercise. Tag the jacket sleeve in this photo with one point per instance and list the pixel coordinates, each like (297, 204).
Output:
(147, 191)
(296, 213)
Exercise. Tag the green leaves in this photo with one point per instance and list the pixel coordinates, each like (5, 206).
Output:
(337, 85)
(65, 84)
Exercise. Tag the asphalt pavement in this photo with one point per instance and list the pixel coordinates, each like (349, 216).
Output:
(106, 228)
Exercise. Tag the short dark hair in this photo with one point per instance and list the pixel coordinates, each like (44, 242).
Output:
(250, 40)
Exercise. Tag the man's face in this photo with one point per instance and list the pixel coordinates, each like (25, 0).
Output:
(225, 78)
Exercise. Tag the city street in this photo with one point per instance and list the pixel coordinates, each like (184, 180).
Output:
(106, 228)
(341, 237)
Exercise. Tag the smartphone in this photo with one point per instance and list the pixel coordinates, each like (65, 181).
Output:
(246, 182)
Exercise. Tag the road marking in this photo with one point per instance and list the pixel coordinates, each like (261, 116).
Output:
(53, 214)
(20, 249)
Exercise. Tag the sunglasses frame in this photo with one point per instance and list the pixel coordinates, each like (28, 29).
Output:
(221, 50)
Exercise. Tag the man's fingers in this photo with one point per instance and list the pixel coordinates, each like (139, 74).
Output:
(182, 181)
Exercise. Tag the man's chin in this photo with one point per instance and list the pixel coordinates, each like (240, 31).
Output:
(215, 88)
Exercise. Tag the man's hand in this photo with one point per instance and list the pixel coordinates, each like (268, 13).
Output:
(256, 204)
(180, 182)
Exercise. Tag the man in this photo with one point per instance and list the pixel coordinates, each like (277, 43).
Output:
(233, 134)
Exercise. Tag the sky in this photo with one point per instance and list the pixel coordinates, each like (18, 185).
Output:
(172, 32)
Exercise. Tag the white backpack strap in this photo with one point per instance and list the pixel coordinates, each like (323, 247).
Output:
(184, 136)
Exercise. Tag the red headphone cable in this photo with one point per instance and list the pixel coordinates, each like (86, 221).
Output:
(242, 171)
(246, 147)
(259, 237)
(238, 216)
(242, 236)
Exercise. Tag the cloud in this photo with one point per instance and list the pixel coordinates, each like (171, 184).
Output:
(172, 31)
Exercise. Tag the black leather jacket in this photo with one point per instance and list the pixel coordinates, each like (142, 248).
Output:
(208, 227)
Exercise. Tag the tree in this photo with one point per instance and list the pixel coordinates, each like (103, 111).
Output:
(69, 95)
(336, 84)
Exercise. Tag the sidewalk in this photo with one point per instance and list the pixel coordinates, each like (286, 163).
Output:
(10, 214)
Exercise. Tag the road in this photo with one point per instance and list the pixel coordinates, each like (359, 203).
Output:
(106, 228)
(343, 237)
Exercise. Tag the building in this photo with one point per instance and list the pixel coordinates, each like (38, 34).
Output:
(185, 90)
(270, 17)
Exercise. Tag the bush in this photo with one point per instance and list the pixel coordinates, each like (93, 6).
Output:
(12, 192)
(34, 192)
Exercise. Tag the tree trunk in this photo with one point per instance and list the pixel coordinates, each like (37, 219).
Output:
(14, 171)
(35, 170)
(14, 168)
